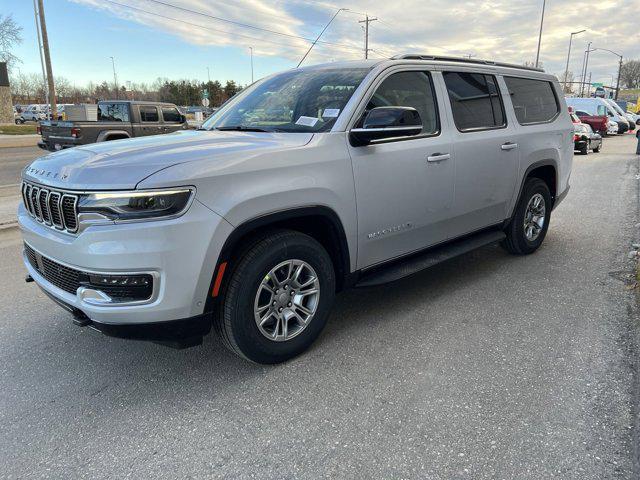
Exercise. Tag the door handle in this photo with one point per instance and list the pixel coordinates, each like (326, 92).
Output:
(509, 146)
(438, 157)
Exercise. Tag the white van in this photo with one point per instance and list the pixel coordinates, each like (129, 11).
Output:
(618, 108)
(599, 106)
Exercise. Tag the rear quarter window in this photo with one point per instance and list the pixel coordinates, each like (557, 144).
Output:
(534, 101)
(171, 114)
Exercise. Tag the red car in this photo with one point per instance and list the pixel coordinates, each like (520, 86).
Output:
(598, 123)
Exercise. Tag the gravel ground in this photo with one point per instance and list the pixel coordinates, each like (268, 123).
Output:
(487, 366)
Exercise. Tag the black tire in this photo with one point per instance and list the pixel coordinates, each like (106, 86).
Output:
(235, 322)
(516, 241)
(585, 150)
(597, 149)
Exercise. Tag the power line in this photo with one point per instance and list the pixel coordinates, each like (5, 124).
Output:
(299, 47)
(241, 24)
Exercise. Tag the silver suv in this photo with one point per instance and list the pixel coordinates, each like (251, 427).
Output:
(307, 182)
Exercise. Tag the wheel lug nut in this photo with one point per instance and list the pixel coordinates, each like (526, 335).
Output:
(280, 309)
(293, 292)
(286, 286)
(274, 304)
(289, 304)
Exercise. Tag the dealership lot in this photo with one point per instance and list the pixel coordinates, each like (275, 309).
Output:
(488, 366)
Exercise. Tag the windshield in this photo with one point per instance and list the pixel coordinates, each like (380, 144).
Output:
(293, 101)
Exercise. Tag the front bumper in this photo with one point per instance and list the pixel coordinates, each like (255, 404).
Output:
(181, 253)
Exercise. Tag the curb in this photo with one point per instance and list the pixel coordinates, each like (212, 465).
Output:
(19, 141)
(8, 226)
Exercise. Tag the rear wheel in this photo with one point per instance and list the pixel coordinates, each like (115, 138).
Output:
(278, 298)
(585, 150)
(528, 227)
(597, 149)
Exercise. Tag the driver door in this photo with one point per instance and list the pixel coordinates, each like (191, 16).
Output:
(404, 186)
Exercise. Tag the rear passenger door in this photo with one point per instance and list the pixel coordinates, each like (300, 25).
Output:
(149, 121)
(171, 118)
(486, 151)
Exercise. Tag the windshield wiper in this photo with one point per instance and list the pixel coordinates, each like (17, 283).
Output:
(242, 128)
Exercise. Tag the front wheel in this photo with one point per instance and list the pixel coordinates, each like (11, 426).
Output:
(278, 298)
(530, 221)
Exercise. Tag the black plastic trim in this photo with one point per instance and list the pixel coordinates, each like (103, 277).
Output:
(533, 166)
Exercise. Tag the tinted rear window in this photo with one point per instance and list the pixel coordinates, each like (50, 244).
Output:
(533, 100)
(475, 100)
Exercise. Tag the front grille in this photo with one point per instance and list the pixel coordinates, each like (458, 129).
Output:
(54, 208)
(69, 279)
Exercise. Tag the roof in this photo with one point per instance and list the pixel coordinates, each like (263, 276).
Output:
(137, 102)
(435, 60)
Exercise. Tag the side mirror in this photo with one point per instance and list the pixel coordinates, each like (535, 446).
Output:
(183, 118)
(387, 122)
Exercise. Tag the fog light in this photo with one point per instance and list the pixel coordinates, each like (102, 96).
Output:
(121, 280)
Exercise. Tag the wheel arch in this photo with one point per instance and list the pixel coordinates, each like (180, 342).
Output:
(107, 135)
(319, 222)
(545, 170)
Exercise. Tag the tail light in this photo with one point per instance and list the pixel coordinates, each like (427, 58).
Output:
(75, 132)
(576, 138)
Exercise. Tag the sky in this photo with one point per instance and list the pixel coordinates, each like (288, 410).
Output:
(151, 38)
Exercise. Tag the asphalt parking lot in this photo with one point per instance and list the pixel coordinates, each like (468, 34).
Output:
(487, 366)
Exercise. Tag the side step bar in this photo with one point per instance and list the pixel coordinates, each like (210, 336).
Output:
(421, 261)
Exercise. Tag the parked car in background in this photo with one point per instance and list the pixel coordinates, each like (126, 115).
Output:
(585, 139)
(599, 123)
(248, 227)
(599, 107)
(623, 113)
(33, 113)
(117, 119)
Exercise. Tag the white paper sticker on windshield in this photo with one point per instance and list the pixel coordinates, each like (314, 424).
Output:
(307, 121)
(331, 112)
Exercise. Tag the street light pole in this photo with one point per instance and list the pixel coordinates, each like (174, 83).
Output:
(115, 78)
(540, 34)
(251, 53)
(320, 34)
(585, 65)
(619, 66)
(566, 70)
(47, 62)
(208, 75)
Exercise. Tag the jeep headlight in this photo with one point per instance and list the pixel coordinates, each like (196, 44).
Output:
(136, 205)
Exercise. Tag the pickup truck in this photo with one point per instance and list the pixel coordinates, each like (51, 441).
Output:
(598, 123)
(116, 120)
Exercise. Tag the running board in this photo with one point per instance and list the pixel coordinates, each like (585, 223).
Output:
(421, 261)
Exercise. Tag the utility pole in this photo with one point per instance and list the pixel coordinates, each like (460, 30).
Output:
(251, 53)
(115, 78)
(44, 75)
(566, 70)
(47, 61)
(540, 34)
(366, 22)
(585, 64)
(618, 80)
(208, 75)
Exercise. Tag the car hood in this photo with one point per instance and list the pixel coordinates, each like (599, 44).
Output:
(122, 164)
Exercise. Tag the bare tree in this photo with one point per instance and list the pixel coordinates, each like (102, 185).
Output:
(630, 74)
(10, 36)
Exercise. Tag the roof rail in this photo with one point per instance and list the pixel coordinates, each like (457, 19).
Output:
(443, 58)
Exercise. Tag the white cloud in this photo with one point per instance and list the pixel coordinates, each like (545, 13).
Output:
(503, 30)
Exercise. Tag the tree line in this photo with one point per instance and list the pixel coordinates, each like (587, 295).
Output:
(31, 88)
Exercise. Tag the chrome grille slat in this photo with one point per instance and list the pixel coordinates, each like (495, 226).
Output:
(43, 205)
(54, 208)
